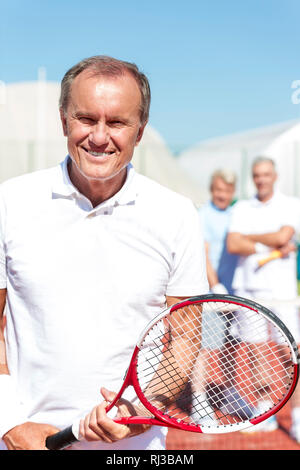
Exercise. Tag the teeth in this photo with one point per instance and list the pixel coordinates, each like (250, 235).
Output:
(100, 154)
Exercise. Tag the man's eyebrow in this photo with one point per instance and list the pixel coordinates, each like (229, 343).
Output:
(113, 117)
(117, 118)
(79, 112)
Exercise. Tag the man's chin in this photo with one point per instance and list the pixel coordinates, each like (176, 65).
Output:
(222, 206)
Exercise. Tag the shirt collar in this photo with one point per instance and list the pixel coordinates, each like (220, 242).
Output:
(64, 187)
(257, 202)
(216, 208)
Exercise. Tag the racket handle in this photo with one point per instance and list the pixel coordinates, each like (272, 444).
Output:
(64, 438)
(275, 254)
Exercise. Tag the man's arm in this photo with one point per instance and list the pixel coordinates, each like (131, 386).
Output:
(179, 358)
(3, 361)
(274, 239)
(215, 286)
(239, 244)
(244, 245)
(212, 276)
(27, 436)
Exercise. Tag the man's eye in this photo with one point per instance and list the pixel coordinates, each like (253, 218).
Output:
(115, 123)
(85, 120)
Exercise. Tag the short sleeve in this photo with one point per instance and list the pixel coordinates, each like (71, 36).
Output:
(203, 221)
(291, 213)
(237, 218)
(188, 276)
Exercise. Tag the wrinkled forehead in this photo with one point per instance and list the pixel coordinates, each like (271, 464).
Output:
(91, 86)
(263, 168)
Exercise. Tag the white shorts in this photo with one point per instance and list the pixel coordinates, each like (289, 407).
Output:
(287, 312)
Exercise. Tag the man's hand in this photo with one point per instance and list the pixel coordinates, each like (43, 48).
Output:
(287, 249)
(97, 426)
(28, 436)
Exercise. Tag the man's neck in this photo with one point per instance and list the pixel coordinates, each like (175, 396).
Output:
(96, 191)
(265, 198)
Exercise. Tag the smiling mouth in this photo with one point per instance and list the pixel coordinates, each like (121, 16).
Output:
(99, 154)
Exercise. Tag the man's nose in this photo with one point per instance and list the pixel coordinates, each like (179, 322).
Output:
(99, 134)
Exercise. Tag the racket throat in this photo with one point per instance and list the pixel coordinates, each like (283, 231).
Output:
(143, 420)
(127, 383)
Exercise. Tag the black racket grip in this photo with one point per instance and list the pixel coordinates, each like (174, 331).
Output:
(61, 439)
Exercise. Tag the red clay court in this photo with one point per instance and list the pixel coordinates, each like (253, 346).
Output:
(275, 440)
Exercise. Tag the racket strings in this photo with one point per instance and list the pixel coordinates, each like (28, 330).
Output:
(270, 367)
(157, 348)
(214, 373)
(261, 366)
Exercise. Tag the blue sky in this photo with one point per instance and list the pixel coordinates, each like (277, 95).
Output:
(215, 67)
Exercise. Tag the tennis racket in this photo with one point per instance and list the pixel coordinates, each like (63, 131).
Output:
(207, 365)
(275, 254)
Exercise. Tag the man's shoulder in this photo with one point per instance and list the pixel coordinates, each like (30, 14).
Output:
(209, 208)
(162, 207)
(206, 207)
(155, 192)
(243, 204)
(287, 199)
(209, 214)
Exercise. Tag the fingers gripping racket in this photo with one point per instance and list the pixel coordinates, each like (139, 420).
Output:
(206, 365)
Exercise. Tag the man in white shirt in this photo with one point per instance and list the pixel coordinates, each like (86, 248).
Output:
(90, 251)
(260, 225)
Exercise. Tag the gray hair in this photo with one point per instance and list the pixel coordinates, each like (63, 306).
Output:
(263, 159)
(227, 176)
(107, 66)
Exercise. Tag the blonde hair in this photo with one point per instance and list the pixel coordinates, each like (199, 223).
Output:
(227, 176)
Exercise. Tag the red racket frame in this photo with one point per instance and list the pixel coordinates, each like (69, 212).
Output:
(66, 437)
(160, 419)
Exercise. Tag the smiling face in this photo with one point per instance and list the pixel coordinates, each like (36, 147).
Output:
(264, 177)
(102, 125)
(222, 193)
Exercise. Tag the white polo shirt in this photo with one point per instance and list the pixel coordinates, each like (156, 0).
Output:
(277, 277)
(83, 282)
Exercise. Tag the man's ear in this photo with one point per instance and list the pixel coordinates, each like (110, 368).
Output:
(63, 121)
(140, 133)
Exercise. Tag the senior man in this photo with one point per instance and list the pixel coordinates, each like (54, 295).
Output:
(263, 224)
(90, 251)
